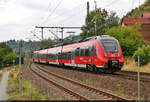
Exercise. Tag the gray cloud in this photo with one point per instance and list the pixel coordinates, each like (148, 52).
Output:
(19, 17)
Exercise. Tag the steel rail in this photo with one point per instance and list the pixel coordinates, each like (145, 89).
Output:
(113, 96)
(59, 86)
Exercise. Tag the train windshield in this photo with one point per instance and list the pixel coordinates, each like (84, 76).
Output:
(110, 45)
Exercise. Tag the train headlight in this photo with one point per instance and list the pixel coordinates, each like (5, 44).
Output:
(119, 54)
(105, 54)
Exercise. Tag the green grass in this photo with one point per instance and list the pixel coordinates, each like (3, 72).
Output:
(28, 92)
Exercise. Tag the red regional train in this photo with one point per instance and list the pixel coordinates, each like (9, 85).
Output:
(98, 53)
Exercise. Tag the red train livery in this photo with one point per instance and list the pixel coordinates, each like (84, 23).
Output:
(99, 53)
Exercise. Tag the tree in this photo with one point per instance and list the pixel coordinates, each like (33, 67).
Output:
(8, 59)
(137, 12)
(5, 48)
(4, 51)
(46, 43)
(144, 53)
(104, 21)
(128, 36)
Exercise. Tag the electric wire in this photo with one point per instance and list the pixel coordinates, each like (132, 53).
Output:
(64, 13)
(52, 11)
(110, 4)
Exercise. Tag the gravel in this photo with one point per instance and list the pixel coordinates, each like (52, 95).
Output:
(45, 88)
(123, 87)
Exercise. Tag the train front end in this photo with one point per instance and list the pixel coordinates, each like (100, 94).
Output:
(111, 54)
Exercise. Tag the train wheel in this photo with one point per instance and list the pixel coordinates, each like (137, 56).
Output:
(87, 67)
(47, 63)
(93, 68)
(61, 64)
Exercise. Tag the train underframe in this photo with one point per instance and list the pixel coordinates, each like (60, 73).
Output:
(110, 67)
(107, 68)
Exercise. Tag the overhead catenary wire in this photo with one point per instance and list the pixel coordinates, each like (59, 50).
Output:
(132, 4)
(33, 32)
(110, 4)
(68, 12)
(52, 11)
(70, 17)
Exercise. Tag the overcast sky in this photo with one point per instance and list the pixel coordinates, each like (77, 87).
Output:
(19, 17)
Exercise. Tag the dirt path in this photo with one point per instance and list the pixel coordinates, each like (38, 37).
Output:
(3, 86)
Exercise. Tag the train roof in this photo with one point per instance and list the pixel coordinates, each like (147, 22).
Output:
(77, 41)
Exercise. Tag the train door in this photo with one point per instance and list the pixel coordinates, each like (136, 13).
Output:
(57, 58)
(76, 57)
(92, 55)
(72, 57)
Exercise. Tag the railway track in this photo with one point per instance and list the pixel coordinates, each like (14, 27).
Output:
(88, 92)
(133, 76)
(145, 77)
(142, 73)
(135, 73)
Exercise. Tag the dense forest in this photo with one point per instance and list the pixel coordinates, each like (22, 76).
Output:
(27, 46)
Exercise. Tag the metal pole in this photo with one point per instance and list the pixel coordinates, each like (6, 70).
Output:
(139, 8)
(42, 32)
(139, 78)
(95, 16)
(20, 46)
(62, 34)
(88, 18)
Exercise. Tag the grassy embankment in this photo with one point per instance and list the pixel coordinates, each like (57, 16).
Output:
(28, 91)
(131, 65)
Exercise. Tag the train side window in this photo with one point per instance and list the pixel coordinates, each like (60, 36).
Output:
(55, 56)
(87, 52)
(77, 52)
(62, 56)
(65, 56)
(82, 52)
(70, 57)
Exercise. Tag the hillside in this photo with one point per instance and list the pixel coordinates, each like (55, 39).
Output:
(137, 12)
(27, 45)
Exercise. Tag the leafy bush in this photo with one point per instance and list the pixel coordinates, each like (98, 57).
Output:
(129, 38)
(8, 59)
(144, 53)
(6, 55)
